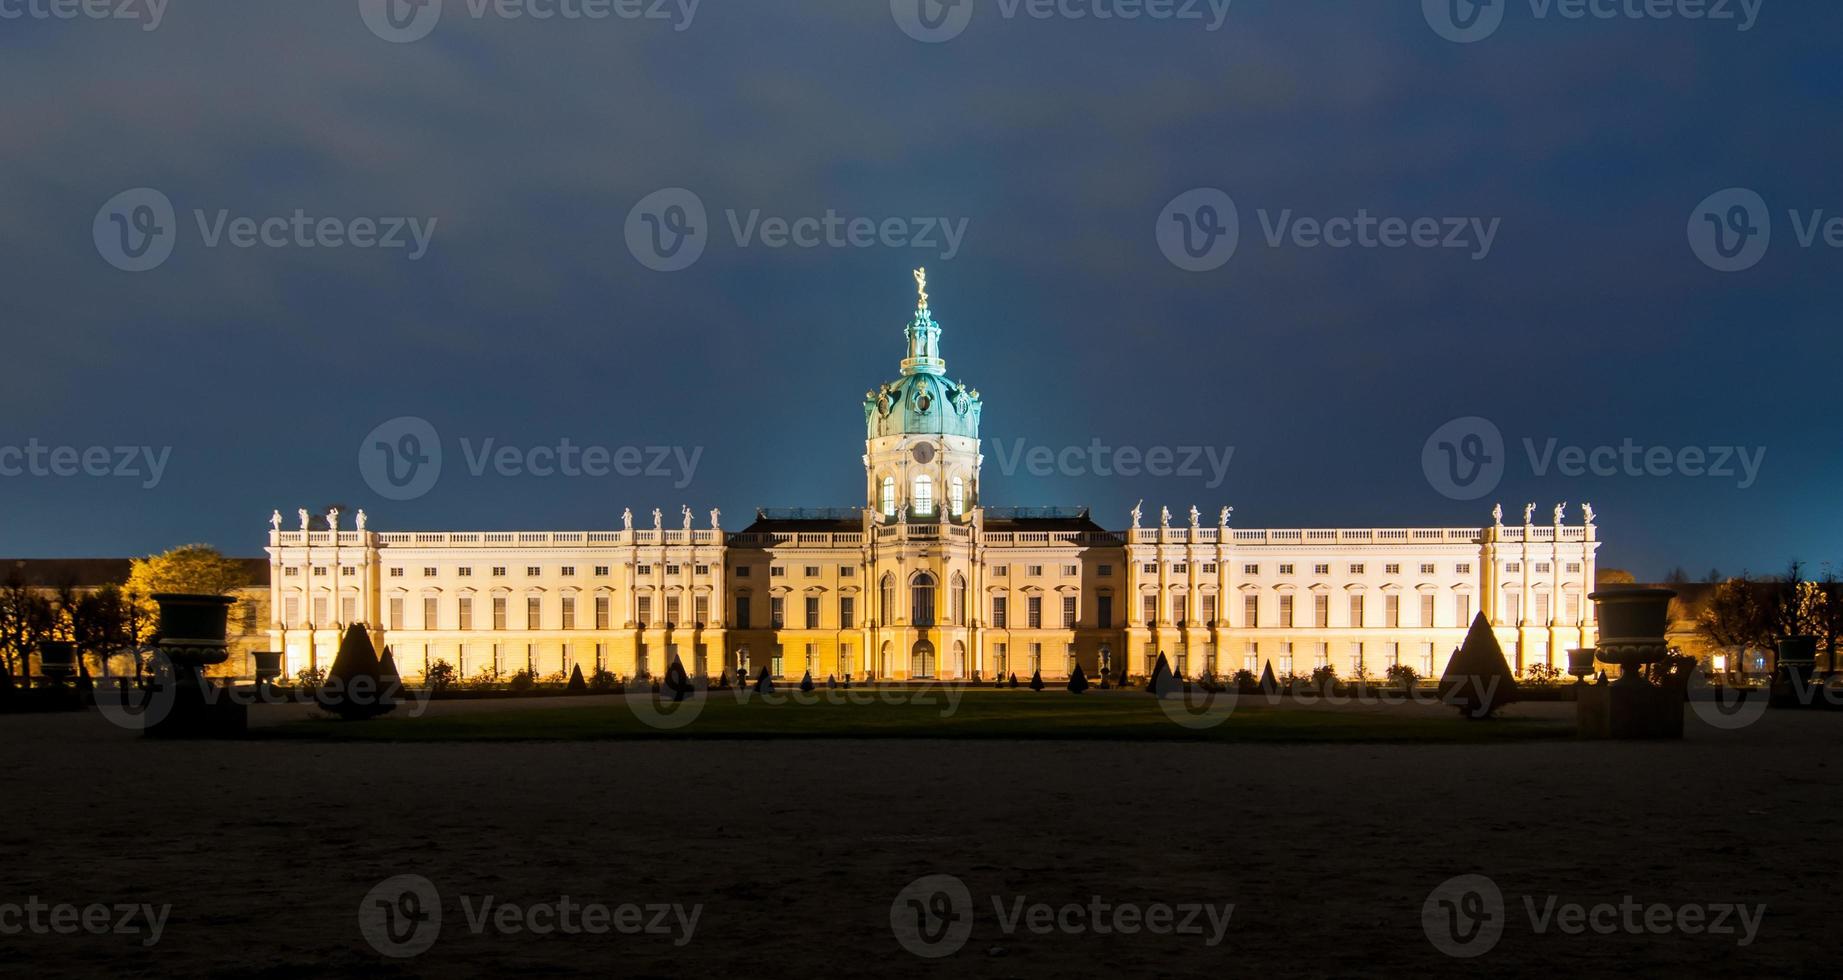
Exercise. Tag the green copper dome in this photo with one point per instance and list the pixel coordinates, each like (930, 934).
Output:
(923, 401)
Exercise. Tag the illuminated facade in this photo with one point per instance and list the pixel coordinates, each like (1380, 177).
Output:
(926, 581)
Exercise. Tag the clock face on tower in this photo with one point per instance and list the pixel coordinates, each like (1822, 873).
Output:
(923, 453)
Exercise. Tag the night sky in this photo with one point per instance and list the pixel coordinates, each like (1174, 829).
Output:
(1587, 144)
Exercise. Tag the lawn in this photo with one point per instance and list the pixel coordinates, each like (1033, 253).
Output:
(930, 714)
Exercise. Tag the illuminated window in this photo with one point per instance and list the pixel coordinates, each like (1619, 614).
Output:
(889, 496)
(956, 496)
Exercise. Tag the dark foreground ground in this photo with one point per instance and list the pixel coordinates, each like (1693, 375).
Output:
(796, 850)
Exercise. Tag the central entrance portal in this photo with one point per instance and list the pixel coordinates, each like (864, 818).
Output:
(921, 659)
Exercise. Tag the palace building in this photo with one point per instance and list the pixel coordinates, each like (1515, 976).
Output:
(927, 581)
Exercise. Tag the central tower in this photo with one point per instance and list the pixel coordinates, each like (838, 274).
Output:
(921, 451)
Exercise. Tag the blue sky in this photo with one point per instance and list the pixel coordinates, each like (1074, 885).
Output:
(1588, 145)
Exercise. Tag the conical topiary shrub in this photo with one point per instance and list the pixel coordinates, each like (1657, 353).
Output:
(831, 681)
(576, 685)
(354, 688)
(1162, 683)
(806, 682)
(1078, 681)
(1013, 681)
(1478, 680)
(677, 683)
(392, 680)
(763, 683)
(1268, 684)
(1036, 680)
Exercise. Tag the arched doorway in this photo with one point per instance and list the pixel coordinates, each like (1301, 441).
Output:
(884, 655)
(921, 660)
(958, 666)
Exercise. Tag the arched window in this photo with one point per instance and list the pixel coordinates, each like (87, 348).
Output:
(889, 496)
(956, 497)
(922, 605)
(888, 610)
(956, 609)
(924, 496)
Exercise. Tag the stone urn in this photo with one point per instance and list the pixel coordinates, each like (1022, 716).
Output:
(1580, 663)
(193, 635)
(1632, 626)
(268, 666)
(57, 660)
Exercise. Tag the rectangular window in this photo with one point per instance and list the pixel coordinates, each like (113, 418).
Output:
(467, 613)
(1462, 609)
(1104, 571)
(1356, 569)
(1068, 612)
(569, 570)
(533, 571)
(998, 612)
(812, 571)
(1251, 658)
(812, 612)
(1356, 609)
(465, 572)
(1035, 606)
(777, 612)
(499, 612)
(1250, 611)
(1323, 657)
(603, 612)
(1286, 610)
(700, 610)
(672, 610)
(1151, 568)
(1151, 609)
(1513, 608)
(394, 573)
(643, 611)
(1071, 571)
(291, 612)
(534, 613)
(1542, 608)
(1426, 569)
(742, 571)
(1427, 609)
(1106, 611)
(396, 614)
(742, 612)
(700, 570)
(846, 571)
(847, 612)
(431, 614)
(1181, 611)
(320, 612)
(777, 571)
(1209, 568)
(1321, 610)
(1513, 566)
(1034, 571)
(1286, 568)
(1321, 569)
(1542, 568)
(1000, 571)
(1251, 569)
(1573, 604)
(1391, 611)
(1463, 568)
(601, 571)
(569, 612)
(1209, 609)
(348, 610)
(1181, 568)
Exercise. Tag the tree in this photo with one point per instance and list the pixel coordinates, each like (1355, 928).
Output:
(440, 676)
(26, 620)
(192, 569)
(1736, 617)
(1613, 576)
(1677, 575)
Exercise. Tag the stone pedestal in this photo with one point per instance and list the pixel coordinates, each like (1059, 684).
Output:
(1630, 708)
(192, 636)
(1795, 673)
(1632, 624)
